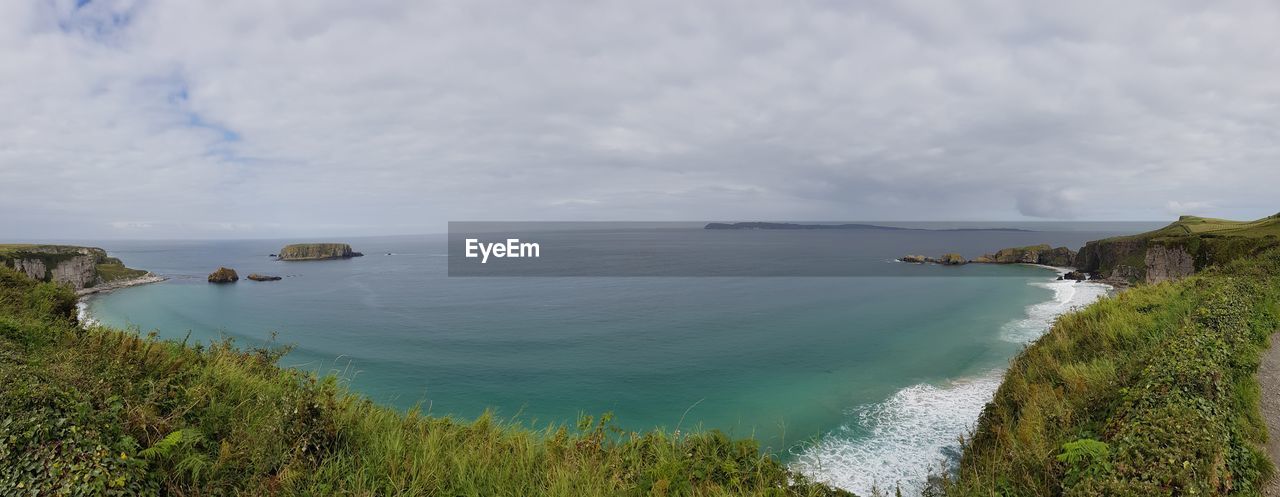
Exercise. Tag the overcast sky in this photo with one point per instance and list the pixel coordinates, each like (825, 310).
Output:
(251, 118)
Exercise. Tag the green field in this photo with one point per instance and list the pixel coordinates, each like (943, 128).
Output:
(1193, 225)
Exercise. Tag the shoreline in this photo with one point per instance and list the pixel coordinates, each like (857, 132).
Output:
(918, 455)
(116, 285)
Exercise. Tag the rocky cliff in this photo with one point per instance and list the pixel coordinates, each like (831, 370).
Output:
(316, 251)
(1034, 254)
(80, 267)
(1177, 250)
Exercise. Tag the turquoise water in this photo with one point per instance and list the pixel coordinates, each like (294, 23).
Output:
(856, 380)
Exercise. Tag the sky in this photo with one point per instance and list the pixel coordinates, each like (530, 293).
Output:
(251, 118)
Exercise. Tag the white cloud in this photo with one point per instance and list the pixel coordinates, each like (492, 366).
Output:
(388, 116)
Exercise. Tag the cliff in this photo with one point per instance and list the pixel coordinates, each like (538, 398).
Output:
(316, 252)
(79, 267)
(1180, 249)
(1034, 254)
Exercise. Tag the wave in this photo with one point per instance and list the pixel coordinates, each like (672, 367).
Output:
(915, 432)
(82, 314)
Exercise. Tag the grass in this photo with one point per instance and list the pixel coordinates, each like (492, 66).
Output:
(103, 411)
(109, 272)
(1151, 392)
(108, 269)
(1207, 241)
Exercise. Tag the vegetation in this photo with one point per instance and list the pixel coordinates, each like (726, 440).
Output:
(116, 271)
(1151, 392)
(102, 411)
(106, 269)
(316, 251)
(1208, 241)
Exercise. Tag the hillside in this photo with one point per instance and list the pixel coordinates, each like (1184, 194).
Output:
(1187, 245)
(80, 267)
(1151, 392)
(103, 411)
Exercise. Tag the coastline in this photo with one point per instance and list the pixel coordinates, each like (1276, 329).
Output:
(116, 285)
(83, 295)
(913, 432)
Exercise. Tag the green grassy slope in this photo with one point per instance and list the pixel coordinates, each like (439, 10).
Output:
(103, 411)
(1151, 392)
(1208, 241)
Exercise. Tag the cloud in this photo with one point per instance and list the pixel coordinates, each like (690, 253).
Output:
(1049, 203)
(1176, 208)
(388, 116)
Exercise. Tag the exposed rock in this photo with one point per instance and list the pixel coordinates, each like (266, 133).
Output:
(1075, 275)
(78, 267)
(1035, 254)
(317, 251)
(1168, 263)
(263, 277)
(916, 259)
(951, 259)
(224, 275)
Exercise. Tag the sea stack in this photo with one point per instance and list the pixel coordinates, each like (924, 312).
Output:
(224, 275)
(316, 252)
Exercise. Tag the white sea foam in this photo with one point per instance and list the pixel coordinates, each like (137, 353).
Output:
(901, 441)
(82, 314)
(1067, 295)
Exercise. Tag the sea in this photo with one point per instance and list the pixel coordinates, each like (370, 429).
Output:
(862, 380)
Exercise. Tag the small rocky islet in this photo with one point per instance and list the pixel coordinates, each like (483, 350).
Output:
(316, 252)
(224, 275)
(292, 252)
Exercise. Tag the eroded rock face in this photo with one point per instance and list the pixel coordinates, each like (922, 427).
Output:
(70, 265)
(1168, 263)
(224, 275)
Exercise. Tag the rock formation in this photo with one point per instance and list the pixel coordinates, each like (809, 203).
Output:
(262, 277)
(224, 275)
(1035, 254)
(316, 252)
(79, 267)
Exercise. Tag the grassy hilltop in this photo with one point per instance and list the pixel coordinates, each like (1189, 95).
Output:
(104, 411)
(1189, 244)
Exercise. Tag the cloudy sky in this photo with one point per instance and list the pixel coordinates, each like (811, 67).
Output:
(251, 118)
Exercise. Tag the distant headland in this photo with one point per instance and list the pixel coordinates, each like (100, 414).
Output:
(756, 225)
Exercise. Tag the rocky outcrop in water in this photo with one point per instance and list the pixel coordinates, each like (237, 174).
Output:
(1034, 254)
(951, 259)
(224, 275)
(263, 277)
(317, 252)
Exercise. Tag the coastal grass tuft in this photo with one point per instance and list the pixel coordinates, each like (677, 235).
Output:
(105, 411)
(1150, 392)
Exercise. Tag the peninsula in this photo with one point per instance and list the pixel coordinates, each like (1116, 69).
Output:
(85, 269)
(756, 225)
